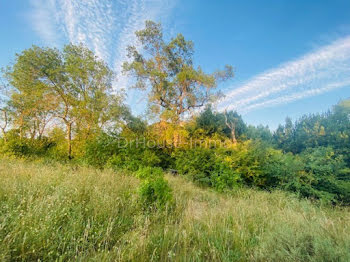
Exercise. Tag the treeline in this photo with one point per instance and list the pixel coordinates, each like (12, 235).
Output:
(61, 105)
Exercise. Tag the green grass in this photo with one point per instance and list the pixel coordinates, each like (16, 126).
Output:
(63, 213)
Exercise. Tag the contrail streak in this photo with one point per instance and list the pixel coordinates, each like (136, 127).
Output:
(296, 96)
(327, 65)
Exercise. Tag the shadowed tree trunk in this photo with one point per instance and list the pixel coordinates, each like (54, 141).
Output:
(4, 126)
(232, 127)
(69, 139)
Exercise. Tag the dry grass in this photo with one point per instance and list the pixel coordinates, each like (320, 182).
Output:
(62, 213)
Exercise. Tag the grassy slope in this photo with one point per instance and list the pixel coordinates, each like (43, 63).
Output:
(83, 214)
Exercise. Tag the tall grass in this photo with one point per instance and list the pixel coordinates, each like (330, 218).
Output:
(66, 213)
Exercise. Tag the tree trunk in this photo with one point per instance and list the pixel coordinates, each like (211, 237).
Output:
(232, 127)
(21, 133)
(176, 138)
(3, 128)
(21, 128)
(4, 134)
(233, 134)
(176, 135)
(69, 140)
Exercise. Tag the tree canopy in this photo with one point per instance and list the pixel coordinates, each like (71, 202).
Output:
(70, 86)
(176, 86)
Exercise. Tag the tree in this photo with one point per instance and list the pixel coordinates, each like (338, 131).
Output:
(285, 136)
(210, 122)
(176, 86)
(229, 123)
(70, 85)
(4, 121)
(5, 117)
(315, 130)
(259, 132)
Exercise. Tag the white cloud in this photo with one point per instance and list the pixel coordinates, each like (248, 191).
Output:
(106, 26)
(297, 96)
(43, 20)
(136, 13)
(294, 80)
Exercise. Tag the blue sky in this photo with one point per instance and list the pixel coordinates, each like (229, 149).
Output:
(290, 57)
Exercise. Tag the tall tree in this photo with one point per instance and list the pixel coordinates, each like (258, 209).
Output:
(229, 123)
(70, 85)
(5, 117)
(167, 68)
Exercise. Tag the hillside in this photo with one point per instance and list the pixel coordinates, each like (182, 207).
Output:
(169, 130)
(61, 212)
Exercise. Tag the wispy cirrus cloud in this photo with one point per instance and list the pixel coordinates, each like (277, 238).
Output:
(105, 26)
(296, 96)
(320, 71)
(137, 12)
(43, 20)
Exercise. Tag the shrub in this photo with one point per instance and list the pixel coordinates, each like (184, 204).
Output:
(154, 191)
(132, 158)
(197, 163)
(99, 150)
(318, 173)
(118, 153)
(225, 179)
(25, 147)
(58, 151)
(149, 172)
(207, 167)
(246, 159)
(225, 167)
(281, 169)
(329, 173)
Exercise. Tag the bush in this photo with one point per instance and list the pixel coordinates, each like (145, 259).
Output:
(99, 150)
(247, 160)
(154, 191)
(225, 179)
(318, 173)
(132, 158)
(118, 153)
(58, 151)
(25, 147)
(149, 172)
(329, 173)
(225, 167)
(281, 169)
(207, 167)
(197, 163)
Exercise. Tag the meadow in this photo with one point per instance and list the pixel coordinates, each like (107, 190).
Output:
(85, 179)
(55, 212)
